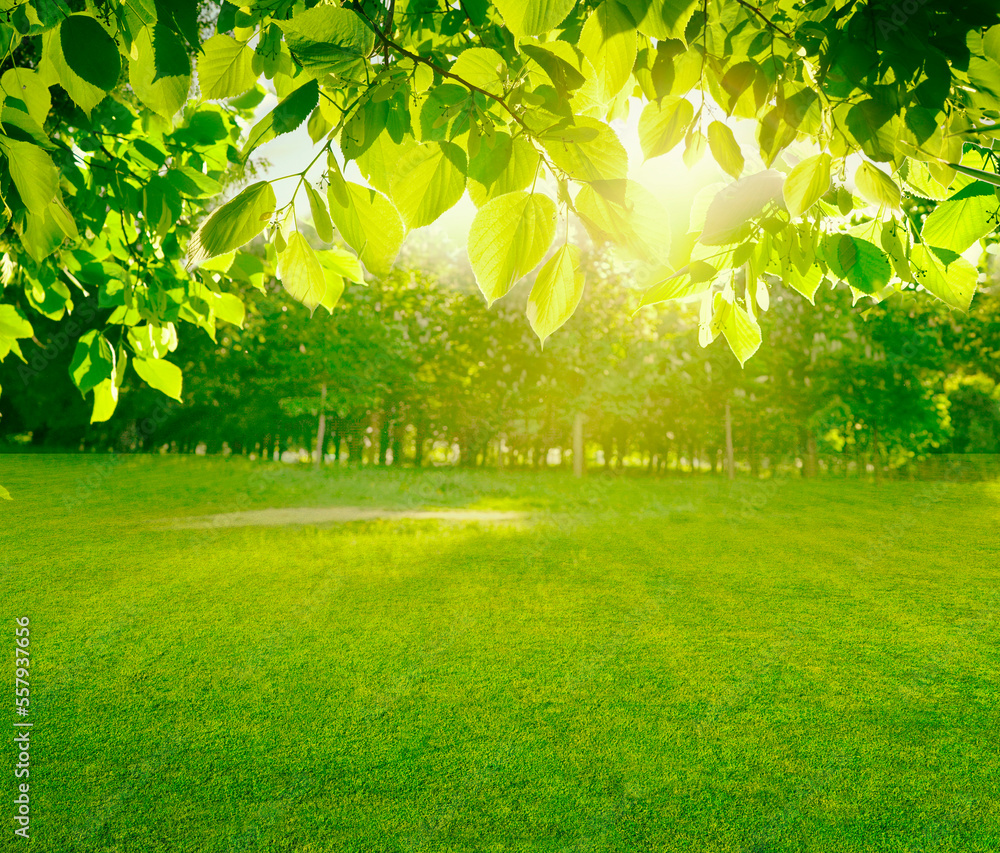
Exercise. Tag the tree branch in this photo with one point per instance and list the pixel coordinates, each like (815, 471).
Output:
(444, 72)
(756, 10)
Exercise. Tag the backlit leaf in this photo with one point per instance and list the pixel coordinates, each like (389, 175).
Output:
(663, 19)
(164, 96)
(300, 272)
(663, 124)
(234, 224)
(640, 225)
(742, 333)
(328, 39)
(725, 149)
(160, 374)
(225, 68)
(954, 283)
(556, 292)
(600, 157)
(958, 223)
(508, 238)
(429, 179)
(482, 67)
(533, 17)
(33, 172)
(806, 184)
(290, 112)
(608, 39)
(876, 187)
(26, 84)
(369, 224)
(320, 215)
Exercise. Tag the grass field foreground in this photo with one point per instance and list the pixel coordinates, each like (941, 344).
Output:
(642, 665)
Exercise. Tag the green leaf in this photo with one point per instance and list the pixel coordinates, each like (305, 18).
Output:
(508, 238)
(234, 224)
(978, 174)
(93, 361)
(730, 211)
(533, 17)
(806, 183)
(21, 126)
(429, 179)
(54, 67)
(343, 263)
(562, 62)
(640, 225)
(806, 283)
(301, 273)
(742, 333)
(225, 68)
(328, 39)
(663, 19)
(608, 39)
(320, 215)
(501, 166)
(105, 401)
(860, 263)
(164, 96)
(12, 326)
(556, 292)
(725, 149)
(45, 231)
(482, 67)
(953, 283)
(160, 374)
(985, 75)
(90, 52)
(4, 494)
(663, 124)
(192, 183)
(369, 224)
(290, 112)
(598, 157)
(920, 182)
(876, 187)
(26, 85)
(228, 307)
(958, 223)
(334, 290)
(33, 172)
(170, 57)
(874, 125)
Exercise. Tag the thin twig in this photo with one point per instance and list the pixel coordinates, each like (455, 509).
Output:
(756, 10)
(444, 72)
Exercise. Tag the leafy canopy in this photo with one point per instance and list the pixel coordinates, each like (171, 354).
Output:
(123, 124)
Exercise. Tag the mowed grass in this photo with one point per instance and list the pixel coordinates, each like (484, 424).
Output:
(644, 665)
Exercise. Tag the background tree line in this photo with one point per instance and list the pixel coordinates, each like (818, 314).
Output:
(414, 365)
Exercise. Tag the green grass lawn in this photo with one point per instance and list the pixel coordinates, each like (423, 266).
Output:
(642, 666)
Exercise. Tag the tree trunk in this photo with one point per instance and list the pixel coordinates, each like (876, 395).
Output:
(579, 463)
(321, 427)
(730, 462)
(811, 467)
(383, 438)
(876, 456)
(418, 447)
